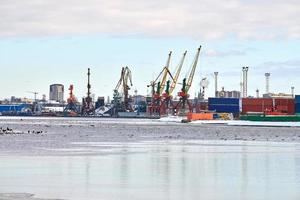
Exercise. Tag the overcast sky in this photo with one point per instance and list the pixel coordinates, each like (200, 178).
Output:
(55, 41)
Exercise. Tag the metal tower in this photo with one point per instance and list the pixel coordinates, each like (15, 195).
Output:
(87, 103)
(257, 93)
(267, 75)
(216, 83)
(245, 81)
(293, 91)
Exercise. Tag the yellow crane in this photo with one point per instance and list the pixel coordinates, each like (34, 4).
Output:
(165, 74)
(186, 85)
(121, 91)
(177, 73)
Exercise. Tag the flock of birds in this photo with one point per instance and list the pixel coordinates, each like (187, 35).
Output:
(8, 130)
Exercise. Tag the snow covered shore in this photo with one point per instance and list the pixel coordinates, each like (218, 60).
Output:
(44, 135)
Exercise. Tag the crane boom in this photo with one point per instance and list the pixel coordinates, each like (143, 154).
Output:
(127, 76)
(121, 79)
(165, 74)
(192, 72)
(177, 73)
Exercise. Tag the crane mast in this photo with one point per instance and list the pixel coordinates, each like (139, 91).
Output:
(178, 70)
(192, 72)
(165, 74)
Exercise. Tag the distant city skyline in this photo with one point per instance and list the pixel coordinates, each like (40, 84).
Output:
(49, 42)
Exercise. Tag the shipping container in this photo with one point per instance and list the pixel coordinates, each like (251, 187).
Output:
(13, 107)
(200, 116)
(297, 107)
(256, 104)
(287, 118)
(297, 98)
(225, 108)
(257, 101)
(223, 101)
(284, 105)
(255, 108)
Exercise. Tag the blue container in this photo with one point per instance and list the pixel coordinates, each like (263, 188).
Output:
(223, 101)
(13, 107)
(297, 99)
(297, 107)
(225, 108)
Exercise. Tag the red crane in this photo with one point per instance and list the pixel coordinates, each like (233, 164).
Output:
(159, 83)
(167, 107)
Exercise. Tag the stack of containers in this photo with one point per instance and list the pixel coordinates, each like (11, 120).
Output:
(297, 104)
(13, 107)
(285, 105)
(224, 105)
(256, 105)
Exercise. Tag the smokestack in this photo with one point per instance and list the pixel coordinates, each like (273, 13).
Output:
(293, 91)
(216, 83)
(245, 81)
(267, 75)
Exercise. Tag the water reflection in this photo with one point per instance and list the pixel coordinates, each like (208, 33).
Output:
(160, 171)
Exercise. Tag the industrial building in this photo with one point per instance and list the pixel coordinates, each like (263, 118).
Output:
(56, 93)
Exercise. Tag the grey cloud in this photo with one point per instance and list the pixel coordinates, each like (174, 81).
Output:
(198, 19)
(284, 69)
(280, 66)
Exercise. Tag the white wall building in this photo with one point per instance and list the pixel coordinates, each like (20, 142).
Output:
(56, 92)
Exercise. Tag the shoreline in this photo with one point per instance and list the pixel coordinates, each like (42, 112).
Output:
(32, 136)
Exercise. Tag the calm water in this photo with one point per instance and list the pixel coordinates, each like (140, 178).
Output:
(199, 170)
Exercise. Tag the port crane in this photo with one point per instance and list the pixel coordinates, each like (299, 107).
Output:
(121, 92)
(183, 103)
(159, 83)
(166, 104)
(72, 107)
(87, 102)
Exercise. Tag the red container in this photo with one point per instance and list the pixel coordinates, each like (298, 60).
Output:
(255, 108)
(256, 104)
(283, 105)
(257, 101)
